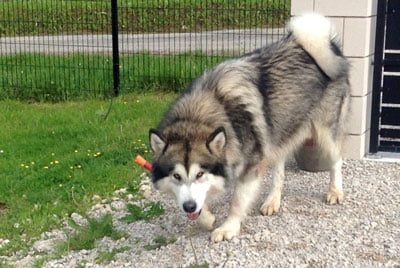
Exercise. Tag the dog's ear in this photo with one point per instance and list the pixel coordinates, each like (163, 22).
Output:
(216, 141)
(157, 141)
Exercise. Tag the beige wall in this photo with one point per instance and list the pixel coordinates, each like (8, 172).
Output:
(354, 21)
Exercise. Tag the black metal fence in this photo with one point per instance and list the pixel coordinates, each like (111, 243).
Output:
(58, 50)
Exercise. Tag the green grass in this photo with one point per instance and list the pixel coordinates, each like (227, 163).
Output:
(160, 241)
(82, 263)
(86, 236)
(107, 256)
(39, 77)
(48, 17)
(203, 265)
(39, 262)
(55, 157)
(6, 265)
(148, 212)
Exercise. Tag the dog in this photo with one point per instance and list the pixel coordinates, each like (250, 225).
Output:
(249, 114)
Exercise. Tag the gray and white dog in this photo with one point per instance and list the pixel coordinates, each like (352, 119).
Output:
(251, 113)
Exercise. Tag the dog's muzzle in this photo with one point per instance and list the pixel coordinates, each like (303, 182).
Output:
(190, 207)
(193, 216)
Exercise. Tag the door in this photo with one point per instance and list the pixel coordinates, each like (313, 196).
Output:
(385, 121)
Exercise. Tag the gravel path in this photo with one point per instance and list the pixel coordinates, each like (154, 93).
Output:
(362, 232)
(242, 40)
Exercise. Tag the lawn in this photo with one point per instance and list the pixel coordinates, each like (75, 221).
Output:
(50, 17)
(38, 77)
(55, 157)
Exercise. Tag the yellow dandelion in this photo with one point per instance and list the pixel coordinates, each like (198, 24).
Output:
(26, 166)
(76, 151)
(53, 154)
(32, 163)
(51, 163)
(56, 162)
(46, 167)
(22, 165)
(89, 151)
(71, 167)
(79, 166)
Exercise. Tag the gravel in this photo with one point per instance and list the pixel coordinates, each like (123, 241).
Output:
(362, 232)
(79, 219)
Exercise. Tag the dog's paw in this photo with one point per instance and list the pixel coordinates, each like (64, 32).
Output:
(271, 206)
(207, 220)
(226, 232)
(334, 197)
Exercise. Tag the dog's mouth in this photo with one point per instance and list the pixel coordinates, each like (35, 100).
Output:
(193, 216)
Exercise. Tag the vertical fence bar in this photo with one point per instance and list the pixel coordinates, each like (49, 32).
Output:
(115, 46)
(377, 84)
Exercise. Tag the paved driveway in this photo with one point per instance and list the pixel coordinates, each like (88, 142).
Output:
(227, 41)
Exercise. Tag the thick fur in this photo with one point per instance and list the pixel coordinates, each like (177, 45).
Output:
(250, 113)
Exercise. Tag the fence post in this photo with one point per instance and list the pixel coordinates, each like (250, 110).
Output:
(115, 46)
(376, 89)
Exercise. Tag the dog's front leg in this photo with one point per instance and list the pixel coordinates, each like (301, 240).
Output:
(245, 192)
(273, 201)
(206, 219)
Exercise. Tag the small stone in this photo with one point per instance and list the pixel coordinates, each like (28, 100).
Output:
(97, 206)
(235, 240)
(96, 198)
(45, 246)
(121, 191)
(27, 261)
(115, 199)
(146, 190)
(79, 219)
(257, 237)
(99, 210)
(4, 242)
(55, 234)
(118, 205)
(144, 176)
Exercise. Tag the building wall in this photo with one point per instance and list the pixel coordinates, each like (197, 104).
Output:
(355, 23)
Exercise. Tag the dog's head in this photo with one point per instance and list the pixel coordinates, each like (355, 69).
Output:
(191, 167)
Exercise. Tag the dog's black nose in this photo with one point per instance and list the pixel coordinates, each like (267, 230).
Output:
(189, 206)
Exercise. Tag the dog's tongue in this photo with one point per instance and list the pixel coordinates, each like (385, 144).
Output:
(193, 216)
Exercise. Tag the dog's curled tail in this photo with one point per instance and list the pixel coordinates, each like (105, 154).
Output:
(315, 34)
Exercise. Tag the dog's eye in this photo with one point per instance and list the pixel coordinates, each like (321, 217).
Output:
(177, 176)
(199, 175)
